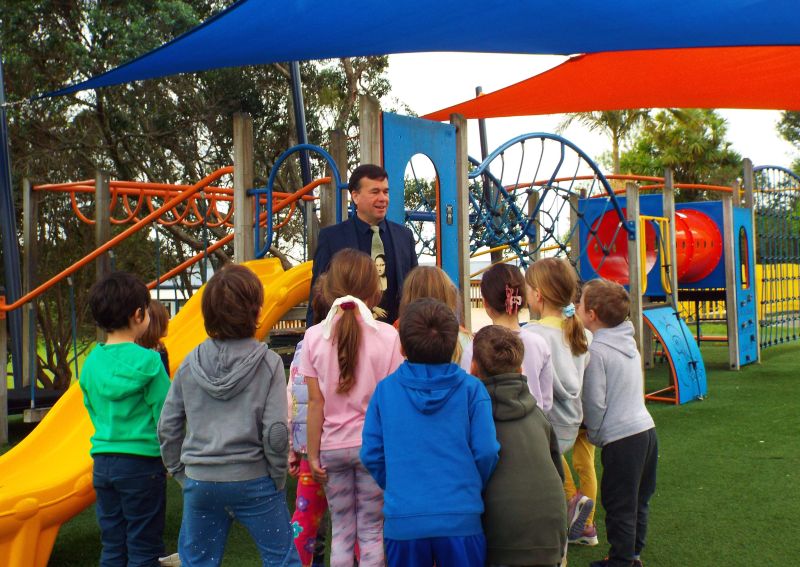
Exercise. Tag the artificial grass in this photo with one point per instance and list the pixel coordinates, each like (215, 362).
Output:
(727, 477)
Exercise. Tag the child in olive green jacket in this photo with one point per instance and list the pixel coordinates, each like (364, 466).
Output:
(124, 387)
(525, 516)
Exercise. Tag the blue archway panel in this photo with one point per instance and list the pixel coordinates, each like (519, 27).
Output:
(686, 362)
(404, 137)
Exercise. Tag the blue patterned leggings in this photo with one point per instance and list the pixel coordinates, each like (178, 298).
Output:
(356, 505)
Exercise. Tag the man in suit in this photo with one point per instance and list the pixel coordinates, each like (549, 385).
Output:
(369, 231)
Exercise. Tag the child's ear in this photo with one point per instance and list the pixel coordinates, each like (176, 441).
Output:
(402, 351)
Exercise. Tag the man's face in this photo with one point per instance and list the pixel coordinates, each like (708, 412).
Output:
(371, 200)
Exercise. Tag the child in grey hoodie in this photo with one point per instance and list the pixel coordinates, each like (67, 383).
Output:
(223, 430)
(617, 420)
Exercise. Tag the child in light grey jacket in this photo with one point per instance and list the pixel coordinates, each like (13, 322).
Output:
(223, 430)
(617, 420)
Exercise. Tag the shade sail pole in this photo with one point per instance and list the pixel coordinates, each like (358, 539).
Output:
(8, 222)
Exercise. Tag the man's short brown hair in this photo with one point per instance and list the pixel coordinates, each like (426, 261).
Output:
(497, 350)
(609, 301)
(428, 331)
(231, 303)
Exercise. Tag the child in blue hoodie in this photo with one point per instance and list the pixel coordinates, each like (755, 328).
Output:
(429, 441)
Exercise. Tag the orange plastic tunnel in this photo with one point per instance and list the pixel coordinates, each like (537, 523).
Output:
(698, 244)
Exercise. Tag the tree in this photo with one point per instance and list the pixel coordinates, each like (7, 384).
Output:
(789, 129)
(616, 124)
(690, 142)
(171, 130)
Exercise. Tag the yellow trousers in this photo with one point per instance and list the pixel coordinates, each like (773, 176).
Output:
(583, 462)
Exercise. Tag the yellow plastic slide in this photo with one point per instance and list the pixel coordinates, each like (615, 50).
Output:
(47, 478)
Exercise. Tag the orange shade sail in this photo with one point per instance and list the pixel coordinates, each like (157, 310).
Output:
(719, 77)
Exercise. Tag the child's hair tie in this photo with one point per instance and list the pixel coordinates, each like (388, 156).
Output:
(569, 310)
(348, 305)
(513, 300)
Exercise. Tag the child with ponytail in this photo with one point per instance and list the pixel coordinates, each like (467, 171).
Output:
(552, 291)
(343, 359)
(503, 292)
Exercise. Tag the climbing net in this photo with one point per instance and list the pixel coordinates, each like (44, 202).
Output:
(525, 199)
(777, 217)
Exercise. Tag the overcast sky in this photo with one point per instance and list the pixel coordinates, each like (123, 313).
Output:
(430, 81)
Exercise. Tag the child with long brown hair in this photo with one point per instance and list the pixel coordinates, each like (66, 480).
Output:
(552, 291)
(153, 336)
(432, 281)
(503, 292)
(343, 359)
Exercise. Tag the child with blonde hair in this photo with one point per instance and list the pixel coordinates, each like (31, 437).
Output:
(432, 281)
(343, 359)
(552, 290)
(503, 292)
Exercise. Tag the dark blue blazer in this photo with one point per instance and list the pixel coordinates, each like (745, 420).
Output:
(343, 235)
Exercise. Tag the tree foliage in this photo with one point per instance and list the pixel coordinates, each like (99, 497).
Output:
(170, 130)
(691, 142)
(789, 128)
(618, 125)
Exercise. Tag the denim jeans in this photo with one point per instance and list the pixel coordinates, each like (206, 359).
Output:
(209, 509)
(131, 506)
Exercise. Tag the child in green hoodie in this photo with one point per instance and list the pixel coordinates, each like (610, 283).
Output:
(525, 516)
(124, 386)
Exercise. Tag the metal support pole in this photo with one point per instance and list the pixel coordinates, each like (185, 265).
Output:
(8, 229)
(4, 381)
(462, 216)
(311, 224)
(243, 205)
(489, 190)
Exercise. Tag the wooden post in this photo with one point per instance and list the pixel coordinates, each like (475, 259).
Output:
(634, 262)
(327, 198)
(4, 362)
(243, 205)
(102, 227)
(533, 239)
(30, 256)
(102, 231)
(369, 120)
(669, 212)
(462, 215)
(732, 314)
(575, 238)
(750, 203)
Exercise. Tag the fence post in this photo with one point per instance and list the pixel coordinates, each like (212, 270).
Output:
(30, 256)
(4, 362)
(243, 174)
(462, 216)
(634, 262)
(102, 231)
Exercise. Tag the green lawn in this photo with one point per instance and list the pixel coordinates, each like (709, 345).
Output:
(726, 486)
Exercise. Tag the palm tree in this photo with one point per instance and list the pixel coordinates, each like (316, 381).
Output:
(617, 124)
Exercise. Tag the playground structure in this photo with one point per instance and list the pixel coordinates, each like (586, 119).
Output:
(567, 209)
